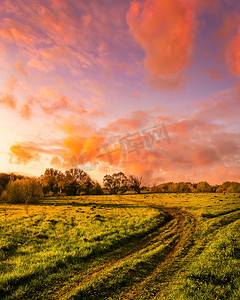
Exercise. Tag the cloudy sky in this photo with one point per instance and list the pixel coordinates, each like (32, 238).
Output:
(147, 87)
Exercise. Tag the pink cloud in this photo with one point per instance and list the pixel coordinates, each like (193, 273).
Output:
(164, 29)
(53, 102)
(20, 69)
(40, 65)
(133, 122)
(222, 105)
(233, 54)
(57, 35)
(69, 41)
(11, 84)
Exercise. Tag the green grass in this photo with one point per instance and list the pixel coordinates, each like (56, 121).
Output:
(155, 246)
(215, 273)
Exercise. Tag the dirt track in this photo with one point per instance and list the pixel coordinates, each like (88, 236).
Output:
(182, 226)
(176, 233)
(170, 249)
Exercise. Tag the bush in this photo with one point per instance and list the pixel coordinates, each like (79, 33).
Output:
(4, 197)
(1, 189)
(24, 191)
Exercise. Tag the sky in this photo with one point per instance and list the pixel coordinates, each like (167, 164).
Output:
(150, 88)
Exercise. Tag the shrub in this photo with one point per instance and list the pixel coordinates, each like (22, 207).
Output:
(1, 189)
(24, 191)
(4, 197)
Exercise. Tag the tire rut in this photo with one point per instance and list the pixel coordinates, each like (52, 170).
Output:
(175, 259)
(175, 223)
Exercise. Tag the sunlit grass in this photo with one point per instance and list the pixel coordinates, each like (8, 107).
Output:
(122, 247)
(68, 232)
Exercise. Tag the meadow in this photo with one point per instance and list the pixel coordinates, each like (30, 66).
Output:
(148, 246)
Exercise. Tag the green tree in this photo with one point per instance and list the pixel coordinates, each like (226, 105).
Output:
(4, 200)
(234, 187)
(4, 197)
(165, 187)
(225, 186)
(24, 191)
(50, 180)
(203, 187)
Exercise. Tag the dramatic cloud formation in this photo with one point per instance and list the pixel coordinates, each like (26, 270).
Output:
(73, 88)
(164, 29)
(186, 151)
(57, 35)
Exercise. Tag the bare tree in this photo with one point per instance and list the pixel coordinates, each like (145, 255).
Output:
(135, 183)
(115, 183)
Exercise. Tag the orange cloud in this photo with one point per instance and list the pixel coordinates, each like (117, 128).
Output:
(26, 112)
(93, 149)
(19, 68)
(199, 147)
(16, 31)
(11, 84)
(164, 29)
(8, 100)
(229, 32)
(73, 128)
(52, 102)
(56, 162)
(233, 55)
(87, 145)
(194, 156)
(79, 145)
(26, 152)
(21, 154)
(61, 104)
(133, 122)
(40, 65)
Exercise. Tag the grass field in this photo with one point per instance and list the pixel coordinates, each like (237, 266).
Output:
(155, 246)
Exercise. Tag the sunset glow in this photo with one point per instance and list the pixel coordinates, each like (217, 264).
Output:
(83, 83)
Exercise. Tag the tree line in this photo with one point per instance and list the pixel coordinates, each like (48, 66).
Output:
(200, 187)
(21, 189)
